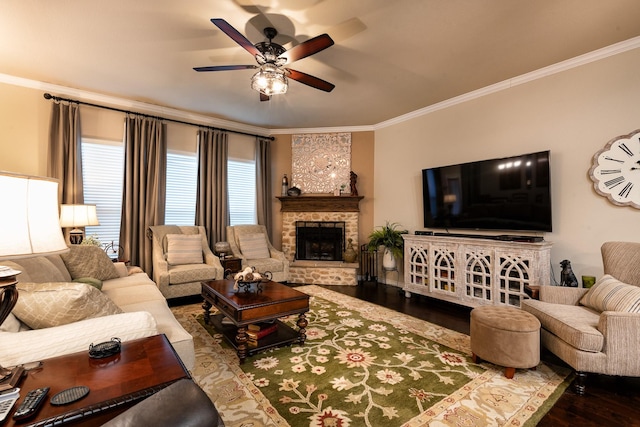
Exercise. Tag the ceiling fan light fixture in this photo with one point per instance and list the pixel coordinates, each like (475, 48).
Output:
(269, 80)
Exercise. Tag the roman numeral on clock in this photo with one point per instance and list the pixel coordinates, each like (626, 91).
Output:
(613, 160)
(614, 182)
(626, 149)
(610, 171)
(626, 190)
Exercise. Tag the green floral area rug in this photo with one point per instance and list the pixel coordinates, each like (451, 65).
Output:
(365, 365)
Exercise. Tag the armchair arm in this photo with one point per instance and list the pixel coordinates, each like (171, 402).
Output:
(621, 342)
(561, 294)
(214, 261)
(160, 265)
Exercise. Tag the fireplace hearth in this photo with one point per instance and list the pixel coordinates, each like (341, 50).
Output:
(320, 240)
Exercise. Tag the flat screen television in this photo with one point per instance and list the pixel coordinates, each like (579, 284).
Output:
(510, 194)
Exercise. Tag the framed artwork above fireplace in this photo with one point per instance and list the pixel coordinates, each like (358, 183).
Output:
(321, 162)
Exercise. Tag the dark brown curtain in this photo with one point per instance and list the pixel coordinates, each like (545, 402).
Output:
(263, 184)
(212, 199)
(65, 152)
(143, 196)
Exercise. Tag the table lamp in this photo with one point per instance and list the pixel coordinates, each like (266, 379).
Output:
(77, 216)
(29, 226)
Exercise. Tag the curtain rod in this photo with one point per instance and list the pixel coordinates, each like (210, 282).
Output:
(58, 98)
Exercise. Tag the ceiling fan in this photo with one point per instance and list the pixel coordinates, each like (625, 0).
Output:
(271, 78)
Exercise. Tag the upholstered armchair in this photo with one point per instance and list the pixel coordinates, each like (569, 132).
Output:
(251, 244)
(182, 259)
(595, 330)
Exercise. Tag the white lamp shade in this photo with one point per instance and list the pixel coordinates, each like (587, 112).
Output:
(78, 215)
(29, 222)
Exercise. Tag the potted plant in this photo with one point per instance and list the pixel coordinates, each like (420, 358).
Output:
(390, 237)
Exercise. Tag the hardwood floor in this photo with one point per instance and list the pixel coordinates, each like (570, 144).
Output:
(609, 401)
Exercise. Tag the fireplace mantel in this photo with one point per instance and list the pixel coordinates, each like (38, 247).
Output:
(320, 203)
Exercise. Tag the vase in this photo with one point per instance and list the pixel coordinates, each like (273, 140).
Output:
(349, 255)
(388, 260)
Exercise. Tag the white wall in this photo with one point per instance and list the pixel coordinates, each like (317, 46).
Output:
(573, 113)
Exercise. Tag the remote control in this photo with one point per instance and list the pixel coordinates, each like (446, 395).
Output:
(31, 403)
(7, 400)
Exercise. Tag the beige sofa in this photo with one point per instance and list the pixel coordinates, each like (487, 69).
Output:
(69, 316)
(595, 330)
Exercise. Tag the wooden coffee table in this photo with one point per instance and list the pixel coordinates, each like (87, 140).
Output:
(242, 308)
(142, 368)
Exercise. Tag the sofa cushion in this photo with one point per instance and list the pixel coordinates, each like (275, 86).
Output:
(44, 305)
(89, 261)
(39, 344)
(574, 324)
(610, 294)
(40, 269)
(184, 249)
(253, 246)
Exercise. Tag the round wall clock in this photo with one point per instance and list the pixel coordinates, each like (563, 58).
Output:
(616, 170)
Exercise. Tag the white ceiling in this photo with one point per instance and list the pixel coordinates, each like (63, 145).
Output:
(389, 58)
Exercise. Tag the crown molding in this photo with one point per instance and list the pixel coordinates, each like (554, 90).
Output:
(578, 61)
(136, 106)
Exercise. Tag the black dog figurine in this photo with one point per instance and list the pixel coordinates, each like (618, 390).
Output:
(567, 278)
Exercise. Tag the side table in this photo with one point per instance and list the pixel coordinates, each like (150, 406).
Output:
(533, 291)
(231, 264)
(142, 368)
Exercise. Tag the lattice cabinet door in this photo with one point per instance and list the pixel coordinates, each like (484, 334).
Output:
(444, 269)
(478, 275)
(514, 272)
(418, 265)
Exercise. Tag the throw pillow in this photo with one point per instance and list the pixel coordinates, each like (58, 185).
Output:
(253, 246)
(610, 294)
(184, 249)
(89, 261)
(44, 305)
(90, 281)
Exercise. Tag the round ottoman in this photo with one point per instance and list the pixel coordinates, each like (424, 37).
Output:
(505, 336)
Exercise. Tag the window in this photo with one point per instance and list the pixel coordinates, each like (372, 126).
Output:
(241, 183)
(182, 182)
(102, 174)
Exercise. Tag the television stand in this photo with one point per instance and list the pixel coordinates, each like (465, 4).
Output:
(474, 271)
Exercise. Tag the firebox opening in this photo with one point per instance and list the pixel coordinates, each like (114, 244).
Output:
(320, 240)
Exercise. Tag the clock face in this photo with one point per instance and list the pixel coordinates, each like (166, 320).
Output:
(616, 170)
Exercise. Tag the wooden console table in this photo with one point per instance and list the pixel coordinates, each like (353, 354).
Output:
(142, 368)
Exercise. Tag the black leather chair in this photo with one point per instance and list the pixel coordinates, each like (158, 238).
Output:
(182, 404)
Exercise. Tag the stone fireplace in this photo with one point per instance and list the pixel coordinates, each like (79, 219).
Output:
(339, 214)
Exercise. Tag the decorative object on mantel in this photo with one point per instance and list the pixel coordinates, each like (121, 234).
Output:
(353, 179)
(285, 185)
(293, 191)
(349, 254)
(321, 162)
(391, 238)
(616, 170)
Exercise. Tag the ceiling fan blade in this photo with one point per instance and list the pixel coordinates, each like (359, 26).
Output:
(310, 80)
(236, 36)
(264, 97)
(225, 67)
(308, 48)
